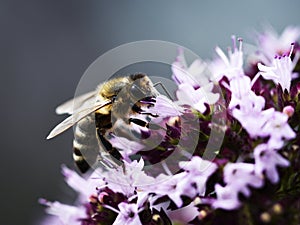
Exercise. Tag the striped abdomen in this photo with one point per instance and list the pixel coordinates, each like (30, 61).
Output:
(90, 146)
(85, 144)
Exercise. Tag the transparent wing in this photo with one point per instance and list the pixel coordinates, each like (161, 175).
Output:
(79, 102)
(77, 116)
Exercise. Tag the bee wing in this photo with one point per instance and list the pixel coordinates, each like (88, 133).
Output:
(79, 101)
(75, 117)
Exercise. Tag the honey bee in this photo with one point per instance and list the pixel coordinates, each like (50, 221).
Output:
(102, 111)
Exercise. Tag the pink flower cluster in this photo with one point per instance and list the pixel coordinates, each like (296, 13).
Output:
(261, 98)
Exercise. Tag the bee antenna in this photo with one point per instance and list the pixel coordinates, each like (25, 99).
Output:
(163, 87)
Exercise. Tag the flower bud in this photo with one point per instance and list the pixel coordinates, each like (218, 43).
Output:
(202, 214)
(265, 217)
(288, 110)
(277, 208)
(101, 196)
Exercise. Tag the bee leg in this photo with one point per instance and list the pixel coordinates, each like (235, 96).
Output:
(138, 122)
(137, 109)
(113, 158)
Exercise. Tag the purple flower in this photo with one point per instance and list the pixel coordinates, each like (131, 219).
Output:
(281, 70)
(252, 120)
(126, 147)
(230, 66)
(67, 214)
(147, 192)
(266, 160)
(241, 175)
(170, 186)
(193, 75)
(85, 187)
(265, 123)
(194, 87)
(127, 179)
(197, 173)
(164, 107)
(198, 167)
(101, 197)
(255, 120)
(191, 182)
(128, 214)
(226, 198)
(241, 95)
(187, 95)
(238, 177)
(247, 107)
(184, 214)
(271, 44)
(278, 129)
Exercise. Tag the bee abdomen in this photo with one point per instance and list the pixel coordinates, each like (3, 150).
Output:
(81, 163)
(85, 143)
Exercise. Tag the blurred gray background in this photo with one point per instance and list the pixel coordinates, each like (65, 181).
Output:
(45, 47)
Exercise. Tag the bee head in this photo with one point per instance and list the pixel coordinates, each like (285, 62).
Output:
(141, 87)
(135, 94)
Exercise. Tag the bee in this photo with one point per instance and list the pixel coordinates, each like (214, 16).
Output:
(98, 113)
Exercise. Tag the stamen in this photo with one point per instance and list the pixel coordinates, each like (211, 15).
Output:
(296, 59)
(222, 55)
(240, 40)
(111, 208)
(255, 79)
(233, 42)
(132, 198)
(292, 49)
(229, 51)
(141, 209)
(225, 85)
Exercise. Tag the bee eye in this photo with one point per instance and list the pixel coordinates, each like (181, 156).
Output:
(113, 98)
(136, 92)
